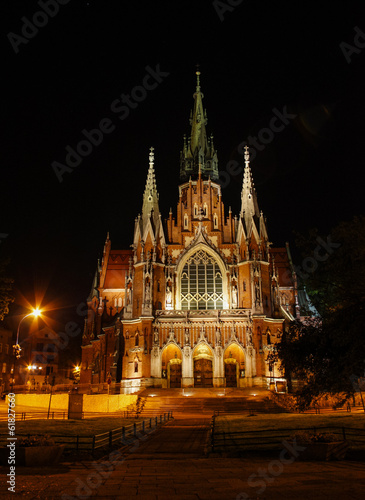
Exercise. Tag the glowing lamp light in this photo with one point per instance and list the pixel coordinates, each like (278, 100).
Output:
(37, 312)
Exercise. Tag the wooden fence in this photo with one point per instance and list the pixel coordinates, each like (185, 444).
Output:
(124, 435)
(272, 439)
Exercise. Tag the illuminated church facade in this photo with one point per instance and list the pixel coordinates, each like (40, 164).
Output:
(200, 299)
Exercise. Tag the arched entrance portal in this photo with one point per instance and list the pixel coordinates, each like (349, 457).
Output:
(234, 365)
(203, 366)
(171, 366)
(175, 373)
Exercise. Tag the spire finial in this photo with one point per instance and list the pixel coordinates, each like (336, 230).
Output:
(197, 77)
(247, 154)
(152, 156)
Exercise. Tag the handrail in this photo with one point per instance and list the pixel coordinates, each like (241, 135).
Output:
(95, 441)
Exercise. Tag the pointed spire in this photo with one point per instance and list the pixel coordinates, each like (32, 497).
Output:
(249, 205)
(150, 196)
(198, 150)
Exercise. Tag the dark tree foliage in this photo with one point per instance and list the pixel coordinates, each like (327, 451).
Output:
(6, 287)
(328, 352)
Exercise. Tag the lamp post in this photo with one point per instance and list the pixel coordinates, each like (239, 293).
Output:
(16, 348)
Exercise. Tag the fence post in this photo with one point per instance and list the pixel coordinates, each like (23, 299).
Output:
(344, 433)
(135, 429)
(212, 434)
(160, 419)
(110, 439)
(155, 421)
(77, 442)
(143, 426)
(150, 423)
(123, 434)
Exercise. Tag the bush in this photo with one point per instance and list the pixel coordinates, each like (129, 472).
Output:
(308, 437)
(38, 440)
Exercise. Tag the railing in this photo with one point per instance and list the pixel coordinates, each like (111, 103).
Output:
(102, 388)
(63, 415)
(28, 415)
(107, 439)
(270, 439)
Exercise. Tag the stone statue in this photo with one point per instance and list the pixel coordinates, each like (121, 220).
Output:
(168, 296)
(187, 336)
(218, 336)
(147, 293)
(257, 293)
(234, 297)
(155, 336)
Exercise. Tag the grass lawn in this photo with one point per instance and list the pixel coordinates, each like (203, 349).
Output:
(235, 423)
(85, 427)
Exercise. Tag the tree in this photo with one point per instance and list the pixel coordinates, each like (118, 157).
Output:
(6, 287)
(328, 352)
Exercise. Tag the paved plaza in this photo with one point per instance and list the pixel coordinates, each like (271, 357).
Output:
(172, 463)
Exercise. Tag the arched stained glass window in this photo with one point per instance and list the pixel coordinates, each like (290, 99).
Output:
(201, 283)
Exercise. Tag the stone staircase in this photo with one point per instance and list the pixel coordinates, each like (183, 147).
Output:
(181, 405)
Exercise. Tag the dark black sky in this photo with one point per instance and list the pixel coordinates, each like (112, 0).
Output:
(262, 56)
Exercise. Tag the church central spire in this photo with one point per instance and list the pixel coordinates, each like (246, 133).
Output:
(200, 148)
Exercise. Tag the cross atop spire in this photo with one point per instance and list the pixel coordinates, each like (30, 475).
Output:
(197, 77)
(152, 156)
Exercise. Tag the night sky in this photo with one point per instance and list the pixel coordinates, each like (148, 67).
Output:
(256, 59)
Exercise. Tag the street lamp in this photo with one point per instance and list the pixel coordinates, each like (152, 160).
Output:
(16, 348)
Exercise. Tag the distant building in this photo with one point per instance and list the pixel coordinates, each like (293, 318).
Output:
(201, 298)
(6, 359)
(39, 360)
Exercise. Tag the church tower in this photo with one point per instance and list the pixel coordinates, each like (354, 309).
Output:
(201, 298)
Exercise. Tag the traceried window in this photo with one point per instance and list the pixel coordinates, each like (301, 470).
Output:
(201, 283)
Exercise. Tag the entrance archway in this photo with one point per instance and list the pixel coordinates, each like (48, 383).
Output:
(230, 372)
(175, 373)
(171, 365)
(203, 366)
(234, 365)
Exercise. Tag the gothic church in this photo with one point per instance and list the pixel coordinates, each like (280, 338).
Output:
(200, 299)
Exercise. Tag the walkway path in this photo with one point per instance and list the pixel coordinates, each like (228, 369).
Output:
(171, 464)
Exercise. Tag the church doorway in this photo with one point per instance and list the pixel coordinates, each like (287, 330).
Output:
(234, 365)
(175, 374)
(203, 372)
(230, 372)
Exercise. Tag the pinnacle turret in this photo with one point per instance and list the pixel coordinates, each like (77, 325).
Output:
(249, 205)
(150, 196)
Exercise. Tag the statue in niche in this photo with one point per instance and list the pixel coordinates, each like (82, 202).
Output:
(147, 293)
(218, 336)
(128, 296)
(155, 336)
(257, 293)
(168, 296)
(234, 297)
(187, 336)
(249, 334)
